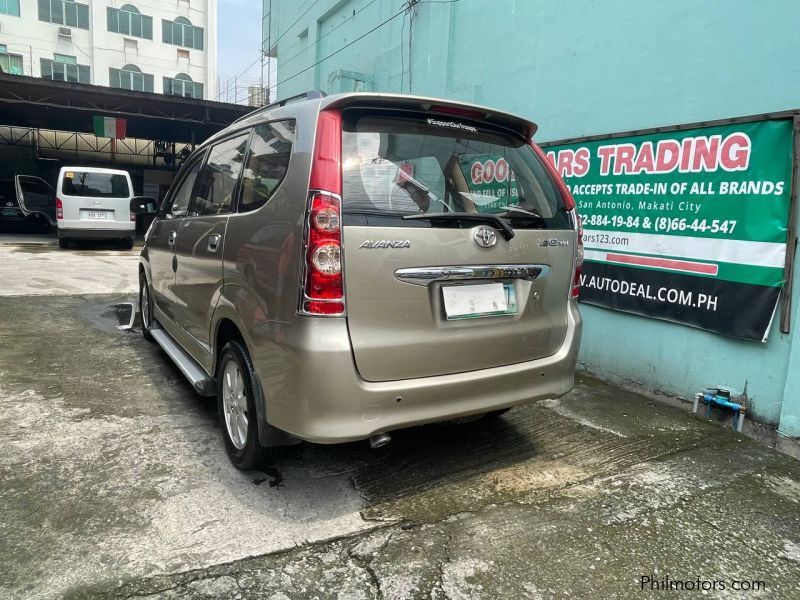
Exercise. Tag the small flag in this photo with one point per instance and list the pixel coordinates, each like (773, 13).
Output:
(109, 127)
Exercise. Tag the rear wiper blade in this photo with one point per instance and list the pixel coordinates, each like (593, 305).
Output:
(516, 209)
(511, 212)
(504, 227)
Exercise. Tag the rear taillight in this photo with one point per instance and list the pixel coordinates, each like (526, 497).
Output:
(570, 207)
(576, 277)
(323, 289)
(569, 201)
(133, 218)
(59, 209)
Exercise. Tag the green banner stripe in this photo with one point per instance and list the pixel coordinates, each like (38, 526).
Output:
(767, 276)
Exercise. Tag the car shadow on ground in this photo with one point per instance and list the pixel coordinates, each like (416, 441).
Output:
(418, 459)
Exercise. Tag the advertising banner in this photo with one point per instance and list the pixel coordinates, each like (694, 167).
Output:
(490, 179)
(688, 226)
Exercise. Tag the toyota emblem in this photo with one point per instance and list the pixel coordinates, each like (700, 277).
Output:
(485, 237)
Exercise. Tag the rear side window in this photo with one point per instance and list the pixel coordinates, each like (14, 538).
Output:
(216, 185)
(399, 164)
(95, 185)
(267, 163)
(180, 199)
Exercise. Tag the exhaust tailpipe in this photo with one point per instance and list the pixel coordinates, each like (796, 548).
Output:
(379, 439)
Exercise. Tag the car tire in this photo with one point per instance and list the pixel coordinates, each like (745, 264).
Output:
(238, 391)
(128, 243)
(145, 307)
(63, 243)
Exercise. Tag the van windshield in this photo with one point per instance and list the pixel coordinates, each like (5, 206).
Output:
(95, 185)
(402, 165)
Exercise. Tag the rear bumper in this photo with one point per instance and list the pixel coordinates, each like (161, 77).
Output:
(319, 396)
(96, 234)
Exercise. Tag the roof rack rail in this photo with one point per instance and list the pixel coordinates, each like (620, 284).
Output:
(309, 95)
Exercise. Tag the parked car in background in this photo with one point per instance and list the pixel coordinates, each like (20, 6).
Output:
(94, 204)
(336, 268)
(27, 200)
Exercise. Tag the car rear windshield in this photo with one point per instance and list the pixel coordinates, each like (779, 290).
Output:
(95, 185)
(399, 164)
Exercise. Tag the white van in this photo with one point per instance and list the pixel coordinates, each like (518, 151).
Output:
(94, 204)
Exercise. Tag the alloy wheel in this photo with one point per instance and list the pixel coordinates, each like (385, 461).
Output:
(234, 402)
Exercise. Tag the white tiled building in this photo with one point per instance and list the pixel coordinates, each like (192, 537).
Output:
(161, 46)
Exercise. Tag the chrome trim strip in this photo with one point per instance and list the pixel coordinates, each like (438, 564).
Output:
(425, 275)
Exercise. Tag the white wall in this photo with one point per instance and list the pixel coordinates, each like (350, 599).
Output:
(101, 49)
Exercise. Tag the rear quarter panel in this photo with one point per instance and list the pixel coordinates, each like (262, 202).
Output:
(262, 256)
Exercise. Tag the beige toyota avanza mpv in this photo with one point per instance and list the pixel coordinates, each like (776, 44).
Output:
(333, 268)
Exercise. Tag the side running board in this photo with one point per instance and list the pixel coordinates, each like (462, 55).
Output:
(202, 383)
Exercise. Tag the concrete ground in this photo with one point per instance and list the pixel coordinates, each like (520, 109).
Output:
(114, 482)
(27, 267)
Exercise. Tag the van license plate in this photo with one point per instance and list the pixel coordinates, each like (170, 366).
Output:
(97, 215)
(481, 300)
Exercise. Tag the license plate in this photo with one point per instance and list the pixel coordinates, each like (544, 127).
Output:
(10, 212)
(97, 215)
(480, 300)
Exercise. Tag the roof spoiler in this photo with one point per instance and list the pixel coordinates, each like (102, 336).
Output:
(434, 106)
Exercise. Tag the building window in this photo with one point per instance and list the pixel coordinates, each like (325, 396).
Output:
(65, 58)
(182, 85)
(10, 63)
(64, 12)
(181, 33)
(9, 7)
(129, 21)
(65, 68)
(130, 77)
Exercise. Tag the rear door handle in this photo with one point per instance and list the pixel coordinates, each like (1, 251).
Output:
(213, 242)
(171, 238)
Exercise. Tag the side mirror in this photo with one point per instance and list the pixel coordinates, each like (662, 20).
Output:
(143, 205)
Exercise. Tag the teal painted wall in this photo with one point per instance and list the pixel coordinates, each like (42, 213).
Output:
(578, 68)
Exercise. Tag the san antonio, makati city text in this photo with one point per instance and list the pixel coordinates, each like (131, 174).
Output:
(700, 189)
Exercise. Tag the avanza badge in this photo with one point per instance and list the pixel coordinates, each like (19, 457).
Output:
(371, 244)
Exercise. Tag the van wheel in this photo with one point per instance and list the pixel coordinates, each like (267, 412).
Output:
(237, 393)
(63, 243)
(128, 243)
(145, 307)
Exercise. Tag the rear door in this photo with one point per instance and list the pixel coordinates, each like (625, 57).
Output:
(438, 295)
(163, 234)
(94, 199)
(36, 196)
(201, 236)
